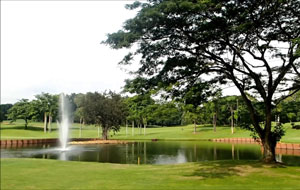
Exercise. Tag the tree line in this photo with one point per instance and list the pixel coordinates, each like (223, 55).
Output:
(110, 110)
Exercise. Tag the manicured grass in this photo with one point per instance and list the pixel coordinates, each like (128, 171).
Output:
(16, 130)
(182, 133)
(292, 135)
(23, 174)
(204, 132)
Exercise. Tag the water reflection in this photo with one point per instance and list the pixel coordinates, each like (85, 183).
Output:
(161, 152)
(169, 159)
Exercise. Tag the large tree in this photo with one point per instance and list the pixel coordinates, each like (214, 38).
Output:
(252, 44)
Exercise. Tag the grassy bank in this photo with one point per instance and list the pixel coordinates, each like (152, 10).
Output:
(51, 174)
(204, 132)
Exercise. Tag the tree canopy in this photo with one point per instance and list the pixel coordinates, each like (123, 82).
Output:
(255, 45)
(106, 109)
(3, 111)
(23, 109)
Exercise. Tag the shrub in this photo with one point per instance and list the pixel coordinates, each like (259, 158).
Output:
(296, 127)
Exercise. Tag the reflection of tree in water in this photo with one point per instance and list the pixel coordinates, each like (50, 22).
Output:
(162, 152)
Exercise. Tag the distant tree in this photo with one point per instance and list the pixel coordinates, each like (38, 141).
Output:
(193, 94)
(47, 104)
(139, 109)
(79, 100)
(191, 114)
(23, 109)
(289, 109)
(165, 113)
(3, 111)
(255, 45)
(229, 109)
(106, 110)
(291, 116)
(73, 106)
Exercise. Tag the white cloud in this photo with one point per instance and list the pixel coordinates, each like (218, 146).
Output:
(54, 46)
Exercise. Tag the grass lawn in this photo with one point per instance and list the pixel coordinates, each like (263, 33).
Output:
(204, 132)
(23, 174)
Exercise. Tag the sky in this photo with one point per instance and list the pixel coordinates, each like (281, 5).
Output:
(55, 47)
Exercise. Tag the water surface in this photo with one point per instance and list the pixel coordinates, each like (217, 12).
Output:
(160, 152)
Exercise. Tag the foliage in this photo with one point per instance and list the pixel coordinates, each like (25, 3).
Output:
(166, 114)
(23, 109)
(73, 106)
(252, 44)
(3, 111)
(190, 114)
(289, 109)
(79, 103)
(46, 103)
(140, 108)
(143, 109)
(106, 110)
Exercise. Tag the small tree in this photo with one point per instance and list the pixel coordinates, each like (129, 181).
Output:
(23, 109)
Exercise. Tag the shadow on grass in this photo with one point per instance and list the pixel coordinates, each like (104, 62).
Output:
(206, 126)
(22, 127)
(205, 129)
(209, 170)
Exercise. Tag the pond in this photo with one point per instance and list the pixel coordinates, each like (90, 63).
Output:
(159, 152)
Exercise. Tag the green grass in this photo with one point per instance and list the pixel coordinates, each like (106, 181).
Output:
(23, 174)
(182, 133)
(204, 132)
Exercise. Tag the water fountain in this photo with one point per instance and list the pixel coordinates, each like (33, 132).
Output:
(64, 122)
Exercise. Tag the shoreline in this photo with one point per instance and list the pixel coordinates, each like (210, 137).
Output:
(4, 142)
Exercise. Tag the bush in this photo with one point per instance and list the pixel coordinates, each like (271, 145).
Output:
(296, 127)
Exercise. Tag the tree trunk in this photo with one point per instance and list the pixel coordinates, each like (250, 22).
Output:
(194, 127)
(26, 123)
(132, 128)
(145, 125)
(140, 128)
(278, 119)
(45, 122)
(104, 133)
(50, 121)
(268, 151)
(268, 140)
(215, 122)
(265, 135)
